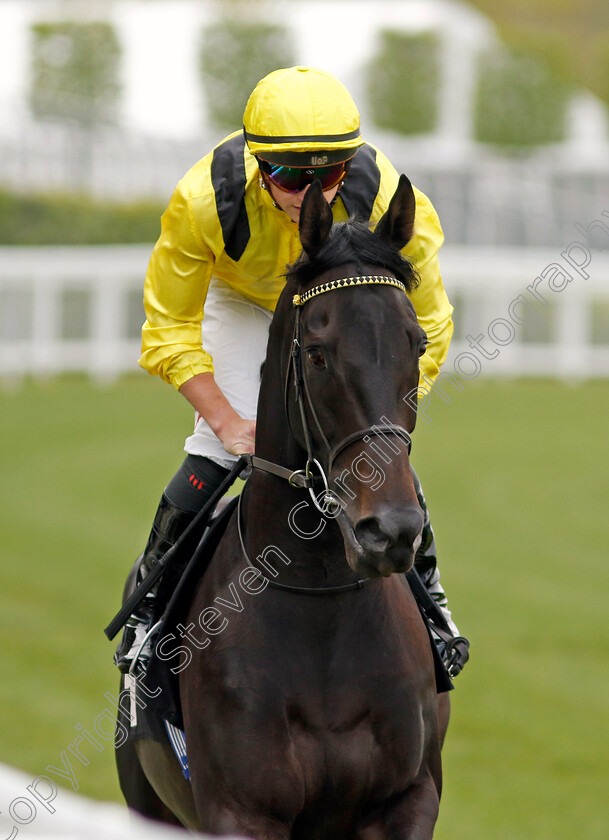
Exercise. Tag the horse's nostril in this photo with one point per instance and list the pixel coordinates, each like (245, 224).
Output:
(391, 529)
(371, 536)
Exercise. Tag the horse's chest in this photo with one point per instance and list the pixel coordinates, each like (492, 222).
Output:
(363, 734)
(315, 720)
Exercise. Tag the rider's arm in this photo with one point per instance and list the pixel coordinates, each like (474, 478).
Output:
(202, 392)
(176, 286)
(174, 295)
(429, 298)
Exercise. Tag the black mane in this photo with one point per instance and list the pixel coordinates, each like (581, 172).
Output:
(353, 242)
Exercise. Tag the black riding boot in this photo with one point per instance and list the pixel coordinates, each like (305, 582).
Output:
(192, 486)
(455, 651)
(169, 524)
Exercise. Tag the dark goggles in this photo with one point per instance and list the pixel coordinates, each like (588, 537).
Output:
(293, 179)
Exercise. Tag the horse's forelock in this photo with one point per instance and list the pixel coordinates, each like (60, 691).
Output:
(352, 242)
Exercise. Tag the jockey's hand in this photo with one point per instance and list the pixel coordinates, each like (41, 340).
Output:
(238, 435)
(202, 392)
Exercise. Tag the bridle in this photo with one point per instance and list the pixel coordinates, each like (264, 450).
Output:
(306, 477)
(313, 473)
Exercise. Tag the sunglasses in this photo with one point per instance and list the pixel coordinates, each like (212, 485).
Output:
(293, 179)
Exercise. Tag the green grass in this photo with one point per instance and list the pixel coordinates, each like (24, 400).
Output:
(515, 478)
(82, 472)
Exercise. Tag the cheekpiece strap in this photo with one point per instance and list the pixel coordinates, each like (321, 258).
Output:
(346, 282)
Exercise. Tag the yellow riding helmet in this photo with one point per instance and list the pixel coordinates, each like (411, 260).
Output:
(302, 116)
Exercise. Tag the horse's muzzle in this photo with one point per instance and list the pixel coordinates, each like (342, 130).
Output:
(385, 542)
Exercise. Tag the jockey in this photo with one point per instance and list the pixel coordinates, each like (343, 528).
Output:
(216, 273)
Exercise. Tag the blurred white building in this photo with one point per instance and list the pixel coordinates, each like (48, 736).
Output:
(162, 93)
(483, 197)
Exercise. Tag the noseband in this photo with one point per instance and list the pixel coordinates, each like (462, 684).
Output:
(307, 477)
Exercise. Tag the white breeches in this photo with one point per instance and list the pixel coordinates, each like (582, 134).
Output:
(235, 333)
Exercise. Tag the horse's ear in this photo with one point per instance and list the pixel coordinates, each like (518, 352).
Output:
(315, 220)
(397, 225)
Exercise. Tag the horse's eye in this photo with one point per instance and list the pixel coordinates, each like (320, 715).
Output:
(316, 357)
(423, 347)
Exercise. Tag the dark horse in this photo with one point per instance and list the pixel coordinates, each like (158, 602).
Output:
(310, 706)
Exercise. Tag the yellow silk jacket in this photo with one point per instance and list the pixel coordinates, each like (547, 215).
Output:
(220, 223)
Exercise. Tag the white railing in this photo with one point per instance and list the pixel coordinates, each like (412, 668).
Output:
(40, 335)
(536, 312)
(65, 309)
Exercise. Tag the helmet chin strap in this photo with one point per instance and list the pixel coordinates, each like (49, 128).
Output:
(336, 194)
(264, 186)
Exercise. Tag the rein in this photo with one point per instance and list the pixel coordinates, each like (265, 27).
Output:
(306, 477)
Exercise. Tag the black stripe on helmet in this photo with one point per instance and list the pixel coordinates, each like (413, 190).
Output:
(302, 138)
